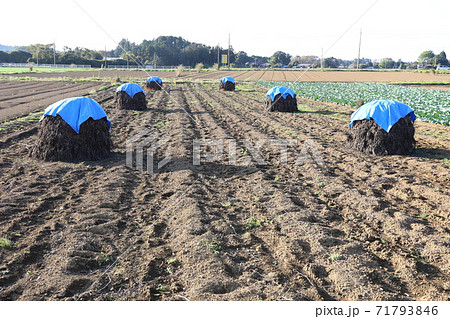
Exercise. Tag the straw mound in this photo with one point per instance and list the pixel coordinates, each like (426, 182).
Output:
(124, 101)
(368, 137)
(57, 141)
(227, 86)
(289, 104)
(153, 85)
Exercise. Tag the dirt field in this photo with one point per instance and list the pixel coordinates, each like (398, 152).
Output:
(22, 97)
(255, 75)
(247, 225)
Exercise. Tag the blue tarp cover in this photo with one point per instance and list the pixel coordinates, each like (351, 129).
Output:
(284, 91)
(227, 79)
(384, 112)
(130, 88)
(76, 110)
(154, 78)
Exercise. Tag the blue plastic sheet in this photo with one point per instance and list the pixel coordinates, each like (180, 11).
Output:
(76, 110)
(227, 79)
(284, 91)
(154, 78)
(130, 88)
(384, 112)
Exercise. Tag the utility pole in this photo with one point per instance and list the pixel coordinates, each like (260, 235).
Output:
(321, 61)
(359, 49)
(229, 50)
(105, 56)
(54, 54)
(218, 57)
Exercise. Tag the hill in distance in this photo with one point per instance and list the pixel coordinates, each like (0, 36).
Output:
(7, 48)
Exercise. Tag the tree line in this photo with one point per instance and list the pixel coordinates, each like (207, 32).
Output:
(173, 51)
(45, 54)
(164, 50)
(170, 50)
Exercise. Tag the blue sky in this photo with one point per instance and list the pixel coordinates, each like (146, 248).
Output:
(397, 29)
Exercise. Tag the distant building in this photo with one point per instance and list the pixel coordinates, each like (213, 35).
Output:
(302, 66)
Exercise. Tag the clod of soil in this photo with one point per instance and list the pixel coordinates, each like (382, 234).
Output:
(289, 104)
(57, 141)
(124, 101)
(368, 137)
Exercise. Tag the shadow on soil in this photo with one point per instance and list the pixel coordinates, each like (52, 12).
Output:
(432, 153)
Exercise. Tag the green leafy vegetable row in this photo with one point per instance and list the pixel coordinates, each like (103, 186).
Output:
(429, 105)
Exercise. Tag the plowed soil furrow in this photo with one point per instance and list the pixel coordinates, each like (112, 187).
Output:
(115, 193)
(39, 90)
(321, 223)
(194, 240)
(233, 225)
(254, 112)
(293, 76)
(25, 88)
(183, 219)
(282, 200)
(152, 210)
(213, 285)
(362, 185)
(256, 76)
(19, 88)
(242, 76)
(41, 96)
(209, 75)
(12, 85)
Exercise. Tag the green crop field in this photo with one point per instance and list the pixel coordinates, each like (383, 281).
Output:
(37, 69)
(431, 106)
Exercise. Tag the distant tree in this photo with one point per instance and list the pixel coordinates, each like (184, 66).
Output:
(4, 57)
(387, 63)
(242, 59)
(399, 64)
(69, 56)
(124, 46)
(156, 60)
(129, 57)
(170, 50)
(441, 58)
(343, 63)
(312, 60)
(365, 63)
(91, 54)
(257, 61)
(194, 53)
(330, 63)
(280, 58)
(19, 56)
(42, 53)
(426, 57)
(77, 56)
